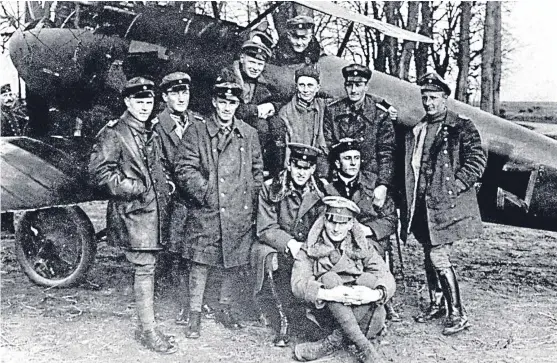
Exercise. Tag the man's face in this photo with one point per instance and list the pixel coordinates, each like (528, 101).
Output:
(225, 108)
(337, 231)
(251, 66)
(356, 90)
(177, 101)
(348, 163)
(140, 108)
(300, 175)
(299, 42)
(307, 88)
(8, 99)
(434, 102)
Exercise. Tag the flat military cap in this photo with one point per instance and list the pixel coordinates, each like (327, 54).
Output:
(433, 82)
(139, 87)
(6, 88)
(227, 89)
(301, 24)
(340, 209)
(307, 71)
(344, 145)
(256, 50)
(175, 82)
(303, 156)
(356, 73)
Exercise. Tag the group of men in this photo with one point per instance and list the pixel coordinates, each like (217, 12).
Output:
(310, 182)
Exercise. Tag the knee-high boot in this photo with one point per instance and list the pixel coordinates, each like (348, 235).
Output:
(197, 281)
(349, 324)
(144, 286)
(392, 315)
(436, 307)
(457, 320)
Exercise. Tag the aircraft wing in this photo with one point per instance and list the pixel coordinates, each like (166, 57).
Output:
(330, 8)
(549, 130)
(36, 174)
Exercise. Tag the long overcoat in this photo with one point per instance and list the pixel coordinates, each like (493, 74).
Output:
(371, 126)
(135, 178)
(223, 187)
(456, 153)
(165, 126)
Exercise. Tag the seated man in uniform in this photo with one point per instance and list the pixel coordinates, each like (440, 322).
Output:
(299, 45)
(379, 222)
(338, 269)
(289, 204)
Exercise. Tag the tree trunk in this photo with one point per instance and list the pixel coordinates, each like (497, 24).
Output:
(422, 53)
(391, 13)
(380, 60)
(486, 101)
(497, 59)
(463, 60)
(408, 46)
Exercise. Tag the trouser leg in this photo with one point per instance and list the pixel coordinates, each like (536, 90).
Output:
(197, 282)
(225, 315)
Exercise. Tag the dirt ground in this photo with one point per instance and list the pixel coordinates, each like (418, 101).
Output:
(508, 282)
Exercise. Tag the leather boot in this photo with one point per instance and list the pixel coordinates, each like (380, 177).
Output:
(306, 352)
(180, 269)
(392, 315)
(457, 320)
(228, 318)
(148, 336)
(194, 325)
(436, 307)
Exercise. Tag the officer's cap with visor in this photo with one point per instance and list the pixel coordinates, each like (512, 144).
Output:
(433, 82)
(343, 146)
(174, 82)
(303, 156)
(356, 73)
(6, 88)
(227, 88)
(339, 209)
(256, 49)
(300, 25)
(139, 87)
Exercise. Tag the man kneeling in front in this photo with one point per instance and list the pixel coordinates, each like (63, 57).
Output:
(338, 269)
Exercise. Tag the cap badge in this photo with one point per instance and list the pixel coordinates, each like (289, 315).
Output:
(144, 87)
(179, 81)
(304, 157)
(141, 80)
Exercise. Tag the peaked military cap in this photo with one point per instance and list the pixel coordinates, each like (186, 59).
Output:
(300, 25)
(356, 73)
(307, 71)
(344, 145)
(340, 209)
(256, 50)
(227, 88)
(175, 82)
(139, 87)
(303, 155)
(6, 88)
(433, 82)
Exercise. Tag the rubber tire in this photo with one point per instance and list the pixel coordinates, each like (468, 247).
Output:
(59, 218)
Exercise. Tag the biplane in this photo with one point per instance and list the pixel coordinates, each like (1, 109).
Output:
(76, 69)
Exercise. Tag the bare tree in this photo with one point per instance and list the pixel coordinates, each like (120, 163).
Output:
(497, 59)
(486, 101)
(463, 59)
(392, 13)
(426, 28)
(408, 46)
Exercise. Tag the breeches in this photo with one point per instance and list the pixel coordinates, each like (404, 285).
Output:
(438, 257)
(143, 261)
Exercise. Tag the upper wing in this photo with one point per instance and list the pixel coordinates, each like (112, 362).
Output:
(386, 28)
(549, 130)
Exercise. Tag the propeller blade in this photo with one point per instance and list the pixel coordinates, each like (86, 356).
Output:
(385, 28)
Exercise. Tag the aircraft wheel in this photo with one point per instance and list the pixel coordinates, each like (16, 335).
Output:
(56, 246)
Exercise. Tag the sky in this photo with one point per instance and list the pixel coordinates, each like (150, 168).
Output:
(531, 70)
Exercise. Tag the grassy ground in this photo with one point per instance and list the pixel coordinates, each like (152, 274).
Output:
(509, 286)
(545, 112)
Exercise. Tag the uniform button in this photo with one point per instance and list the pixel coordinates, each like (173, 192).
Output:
(245, 192)
(450, 192)
(222, 210)
(447, 178)
(452, 205)
(245, 207)
(222, 195)
(361, 139)
(446, 165)
(222, 180)
(300, 234)
(241, 149)
(445, 152)
(214, 150)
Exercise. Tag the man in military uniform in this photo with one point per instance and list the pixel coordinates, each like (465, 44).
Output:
(360, 117)
(14, 116)
(170, 125)
(299, 45)
(443, 160)
(258, 100)
(301, 119)
(127, 163)
(379, 222)
(219, 167)
(288, 206)
(338, 269)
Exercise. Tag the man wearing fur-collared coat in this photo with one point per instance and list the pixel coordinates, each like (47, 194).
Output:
(443, 160)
